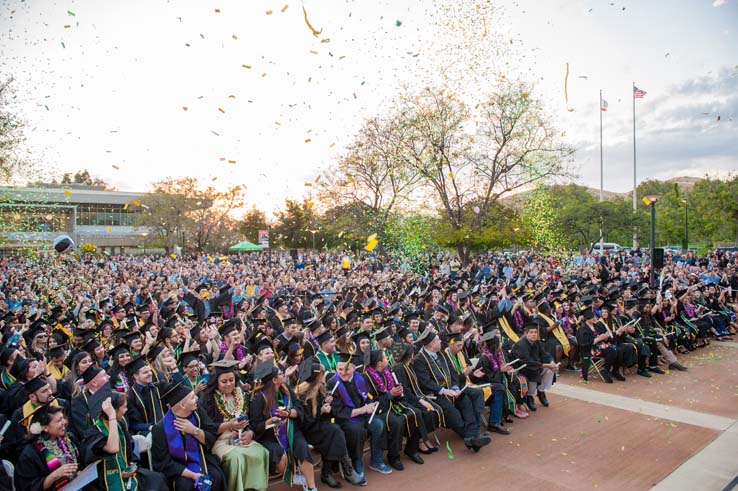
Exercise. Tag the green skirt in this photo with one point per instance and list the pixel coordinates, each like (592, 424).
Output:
(244, 467)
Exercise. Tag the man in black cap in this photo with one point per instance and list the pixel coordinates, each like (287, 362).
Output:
(593, 343)
(540, 366)
(86, 407)
(181, 442)
(145, 407)
(326, 355)
(437, 377)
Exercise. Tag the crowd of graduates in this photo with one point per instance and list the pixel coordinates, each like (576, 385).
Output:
(187, 373)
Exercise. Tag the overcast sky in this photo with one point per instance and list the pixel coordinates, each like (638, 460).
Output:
(138, 90)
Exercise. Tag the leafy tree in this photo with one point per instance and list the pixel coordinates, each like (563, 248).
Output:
(252, 221)
(12, 161)
(84, 177)
(294, 224)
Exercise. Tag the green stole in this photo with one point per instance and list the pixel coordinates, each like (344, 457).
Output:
(328, 361)
(113, 466)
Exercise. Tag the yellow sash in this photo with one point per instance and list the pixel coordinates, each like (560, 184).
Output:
(558, 333)
(56, 373)
(28, 409)
(486, 391)
(508, 330)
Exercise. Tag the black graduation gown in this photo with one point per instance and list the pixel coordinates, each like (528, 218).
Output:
(172, 469)
(354, 431)
(85, 408)
(399, 418)
(92, 449)
(268, 437)
(145, 408)
(30, 476)
(325, 436)
(534, 356)
(409, 380)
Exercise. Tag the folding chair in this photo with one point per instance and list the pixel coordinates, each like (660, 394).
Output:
(10, 471)
(142, 444)
(598, 364)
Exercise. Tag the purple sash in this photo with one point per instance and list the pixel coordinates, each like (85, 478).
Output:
(360, 384)
(185, 449)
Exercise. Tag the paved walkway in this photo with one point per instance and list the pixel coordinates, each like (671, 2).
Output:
(713, 468)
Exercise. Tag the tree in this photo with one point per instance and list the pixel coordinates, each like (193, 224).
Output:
(11, 136)
(209, 222)
(294, 224)
(250, 224)
(84, 177)
(514, 147)
(371, 174)
(166, 210)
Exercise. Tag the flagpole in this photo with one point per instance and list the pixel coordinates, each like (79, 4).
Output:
(635, 199)
(601, 174)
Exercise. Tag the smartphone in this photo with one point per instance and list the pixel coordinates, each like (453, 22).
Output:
(242, 418)
(204, 378)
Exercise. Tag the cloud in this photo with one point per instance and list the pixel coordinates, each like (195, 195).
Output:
(719, 3)
(678, 133)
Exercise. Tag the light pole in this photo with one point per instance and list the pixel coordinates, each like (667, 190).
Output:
(686, 224)
(651, 200)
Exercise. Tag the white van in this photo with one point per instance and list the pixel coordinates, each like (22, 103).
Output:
(607, 246)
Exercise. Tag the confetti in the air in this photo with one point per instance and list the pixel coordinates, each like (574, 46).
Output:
(315, 32)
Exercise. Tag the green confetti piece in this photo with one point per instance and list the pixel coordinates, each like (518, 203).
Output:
(71, 13)
(450, 452)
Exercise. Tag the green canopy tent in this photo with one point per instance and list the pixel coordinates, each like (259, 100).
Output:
(245, 246)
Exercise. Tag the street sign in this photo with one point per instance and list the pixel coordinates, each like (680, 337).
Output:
(264, 238)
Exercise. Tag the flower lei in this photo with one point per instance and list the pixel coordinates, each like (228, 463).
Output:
(495, 358)
(237, 353)
(374, 374)
(223, 405)
(62, 445)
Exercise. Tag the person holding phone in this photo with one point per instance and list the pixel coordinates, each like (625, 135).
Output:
(244, 461)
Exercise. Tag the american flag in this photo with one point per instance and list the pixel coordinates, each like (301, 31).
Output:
(638, 93)
(603, 107)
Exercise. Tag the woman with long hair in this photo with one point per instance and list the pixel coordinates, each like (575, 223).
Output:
(163, 365)
(120, 356)
(50, 459)
(277, 417)
(109, 441)
(399, 416)
(326, 437)
(245, 462)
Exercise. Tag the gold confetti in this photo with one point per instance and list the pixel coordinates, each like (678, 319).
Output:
(67, 193)
(67, 26)
(566, 88)
(173, 256)
(234, 36)
(269, 12)
(231, 96)
(248, 67)
(313, 52)
(312, 29)
(217, 11)
(221, 110)
(524, 95)
(325, 40)
(308, 140)
(310, 204)
(185, 108)
(308, 184)
(115, 167)
(284, 9)
(125, 207)
(136, 202)
(231, 161)
(110, 229)
(451, 175)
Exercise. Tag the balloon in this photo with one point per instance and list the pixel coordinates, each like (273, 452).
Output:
(63, 244)
(477, 210)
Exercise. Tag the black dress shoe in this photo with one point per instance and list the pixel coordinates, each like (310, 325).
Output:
(508, 419)
(644, 373)
(425, 452)
(656, 370)
(542, 397)
(329, 479)
(617, 376)
(395, 463)
(498, 429)
(606, 376)
(415, 458)
(531, 403)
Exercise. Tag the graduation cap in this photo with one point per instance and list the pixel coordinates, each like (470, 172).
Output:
(529, 326)
(588, 313)
(309, 369)
(324, 338)
(35, 384)
(228, 327)
(19, 367)
(58, 351)
(375, 356)
(118, 350)
(118, 308)
(404, 332)
(382, 333)
(135, 365)
(587, 300)
(263, 344)
(411, 316)
(489, 335)
(90, 373)
(400, 351)
(38, 412)
(175, 393)
(453, 338)
(344, 357)
(342, 331)
(265, 372)
(188, 357)
(427, 337)
(288, 321)
(278, 302)
(630, 302)
(223, 366)
(292, 348)
(132, 336)
(6, 353)
(358, 336)
(155, 351)
(314, 323)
